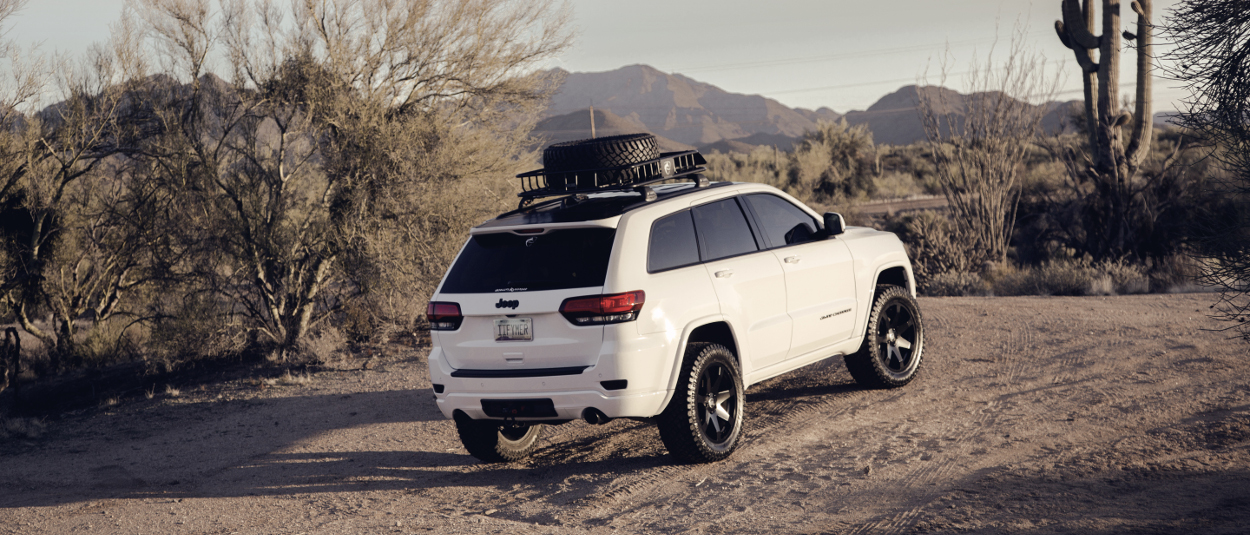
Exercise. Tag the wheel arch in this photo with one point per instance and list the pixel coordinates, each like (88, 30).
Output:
(896, 275)
(710, 330)
(717, 332)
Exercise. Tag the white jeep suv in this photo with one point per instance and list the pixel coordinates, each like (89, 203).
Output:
(638, 289)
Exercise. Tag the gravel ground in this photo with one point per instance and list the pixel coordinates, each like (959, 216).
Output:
(1031, 415)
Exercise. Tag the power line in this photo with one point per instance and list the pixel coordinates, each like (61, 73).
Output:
(879, 82)
(829, 57)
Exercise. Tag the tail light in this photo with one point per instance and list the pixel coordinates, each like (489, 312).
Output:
(443, 316)
(603, 309)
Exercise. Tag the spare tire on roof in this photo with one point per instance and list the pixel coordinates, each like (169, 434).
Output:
(599, 153)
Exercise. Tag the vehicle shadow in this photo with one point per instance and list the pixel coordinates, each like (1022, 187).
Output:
(383, 440)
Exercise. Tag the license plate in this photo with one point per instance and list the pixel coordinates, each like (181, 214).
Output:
(514, 330)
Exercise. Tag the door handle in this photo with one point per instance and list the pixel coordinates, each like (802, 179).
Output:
(792, 259)
(724, 274)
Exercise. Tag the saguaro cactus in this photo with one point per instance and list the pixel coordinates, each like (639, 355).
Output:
(1101, 78)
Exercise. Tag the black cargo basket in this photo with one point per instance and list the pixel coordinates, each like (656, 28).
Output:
(684, 165)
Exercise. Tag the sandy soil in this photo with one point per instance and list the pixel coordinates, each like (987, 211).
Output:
(1032, 415)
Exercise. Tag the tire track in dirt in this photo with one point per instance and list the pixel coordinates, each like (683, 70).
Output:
(920, 482)
(1019, 357)
(766, 418)
(781, 404)
(777, 405)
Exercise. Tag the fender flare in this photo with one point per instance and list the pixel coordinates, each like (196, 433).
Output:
(869, 293)
(680, 355)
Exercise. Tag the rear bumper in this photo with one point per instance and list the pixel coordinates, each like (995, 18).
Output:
(643, 361)
(568, 405)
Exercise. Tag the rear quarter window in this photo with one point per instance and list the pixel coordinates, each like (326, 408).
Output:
(673, 243)
(560, 259)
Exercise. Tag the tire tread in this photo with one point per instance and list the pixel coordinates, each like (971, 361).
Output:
(482, 440)
(862, 365)
(678, 431)
(597, 153)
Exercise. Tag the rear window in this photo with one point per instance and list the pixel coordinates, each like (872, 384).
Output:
(570, 258)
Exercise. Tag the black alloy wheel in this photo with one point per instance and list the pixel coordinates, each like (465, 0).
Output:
(893, 344)
(703, 421)
(716, 403)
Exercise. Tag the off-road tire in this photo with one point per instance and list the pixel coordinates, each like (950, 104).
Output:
(491, 442)
(893, 343)
(598, 153)
(685, 428)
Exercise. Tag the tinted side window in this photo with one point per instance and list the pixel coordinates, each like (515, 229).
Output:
(781, 222)
(724, 229)
(672, 243)
(570, 258)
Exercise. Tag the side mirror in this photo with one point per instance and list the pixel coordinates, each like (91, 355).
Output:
(834, 224)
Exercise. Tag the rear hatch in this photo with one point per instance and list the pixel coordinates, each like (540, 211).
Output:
(509, 287)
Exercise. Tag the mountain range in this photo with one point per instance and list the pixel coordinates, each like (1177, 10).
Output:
(683, 112)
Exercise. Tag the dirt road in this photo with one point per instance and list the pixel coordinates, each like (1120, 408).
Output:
(1032, 415)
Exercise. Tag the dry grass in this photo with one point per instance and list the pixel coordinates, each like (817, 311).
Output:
(324, 347)
(1062, 277)
(288, 379)
(895, 185)
(1069, 277)
(172, 392)
(954, 283)
(21, 428)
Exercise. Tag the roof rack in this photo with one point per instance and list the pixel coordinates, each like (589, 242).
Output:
(682, 165)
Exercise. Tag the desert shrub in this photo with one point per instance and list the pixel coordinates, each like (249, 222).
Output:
(935, 245)
(21, 428)
(115, 339)
(834, 165)
(764, 165)
(192, 326)
(835, 159)
(915, 161)
(323, 346)
(1124, 278)
(1146, 218)
(954, 284)
(1079, 276)
(1178, 272)
(398, 265)
(895, 185)
(1050, 278)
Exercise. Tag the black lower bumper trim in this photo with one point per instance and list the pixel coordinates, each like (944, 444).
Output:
(519, 408)
(529, 372)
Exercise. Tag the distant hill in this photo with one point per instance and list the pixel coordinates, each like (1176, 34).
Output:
(821, 114)
(1167, 118)
(679, 108)
(639, 98)
(576, 125)
(752, 142)
(894, 119)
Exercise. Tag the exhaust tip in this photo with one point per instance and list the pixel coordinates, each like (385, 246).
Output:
(595, 416)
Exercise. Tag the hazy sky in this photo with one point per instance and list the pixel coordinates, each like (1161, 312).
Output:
(837, 53)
